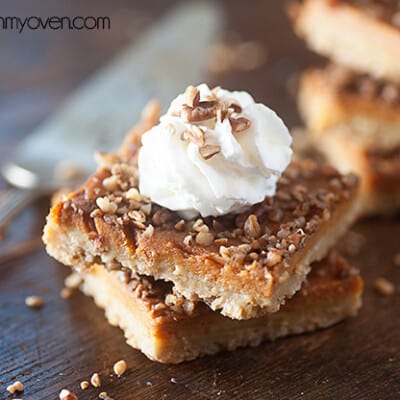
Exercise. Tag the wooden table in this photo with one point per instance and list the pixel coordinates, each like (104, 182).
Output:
(67, 340)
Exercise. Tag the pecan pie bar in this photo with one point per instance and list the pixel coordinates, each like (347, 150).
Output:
(355, 122)
(241, 264)
(169, 328)
(362, 34)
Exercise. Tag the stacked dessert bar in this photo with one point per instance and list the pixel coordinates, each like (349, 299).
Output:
(183, 288)
(352, 106)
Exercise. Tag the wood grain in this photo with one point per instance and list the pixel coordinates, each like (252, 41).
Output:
(67, 340)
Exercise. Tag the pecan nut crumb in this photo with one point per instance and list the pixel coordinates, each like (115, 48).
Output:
(133, 194)
(111, 183)
(180, 225)
(196, 135)
(384, 287)
(66, 394)
(34, 301)
(17, 386)
(274, 257)
(252, 228)
(235, 254)
(208, 151)
(106, 205)
(105, 396)
(188, 240)
(203, 112)
(239, 124)
(192, 96)
(204, 238)
(73, 281)
(65, 293)
(120, 367)
(95, 380)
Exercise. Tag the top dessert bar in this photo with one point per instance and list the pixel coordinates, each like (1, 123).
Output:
(244, 265)
(362, 35)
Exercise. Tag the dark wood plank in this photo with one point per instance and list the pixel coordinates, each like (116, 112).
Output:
(67, 340)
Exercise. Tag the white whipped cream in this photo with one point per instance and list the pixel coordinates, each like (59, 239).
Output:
(174, 174)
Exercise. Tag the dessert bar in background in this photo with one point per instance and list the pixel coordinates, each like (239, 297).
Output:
(351, 107)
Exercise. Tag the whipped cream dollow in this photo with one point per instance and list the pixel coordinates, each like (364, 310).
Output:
(214, 152)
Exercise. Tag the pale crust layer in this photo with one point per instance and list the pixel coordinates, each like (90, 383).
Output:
(171, 334)
(349, 35)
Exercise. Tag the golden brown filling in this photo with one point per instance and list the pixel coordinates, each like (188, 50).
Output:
(267, 235)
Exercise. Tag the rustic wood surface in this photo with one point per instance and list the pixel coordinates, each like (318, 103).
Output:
(67, 340)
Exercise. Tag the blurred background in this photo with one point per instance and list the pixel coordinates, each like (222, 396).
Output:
(255, 51)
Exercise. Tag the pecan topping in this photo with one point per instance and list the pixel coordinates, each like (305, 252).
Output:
(239, 124)
(192, 96)
(208, 151)
(197, 136)
(235, 107)
(204, 111)
(252, 227)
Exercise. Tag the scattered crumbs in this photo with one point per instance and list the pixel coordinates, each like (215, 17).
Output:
(84, 385)
(120, 367)
(173, 380)
(396, 259)
(72, 281)
(105, 396)
(65, 293)
(66, 394)
(384, 287)
(34, 301)
(17, 386)
(95, 380)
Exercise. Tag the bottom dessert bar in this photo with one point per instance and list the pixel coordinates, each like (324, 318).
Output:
(170, 329)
